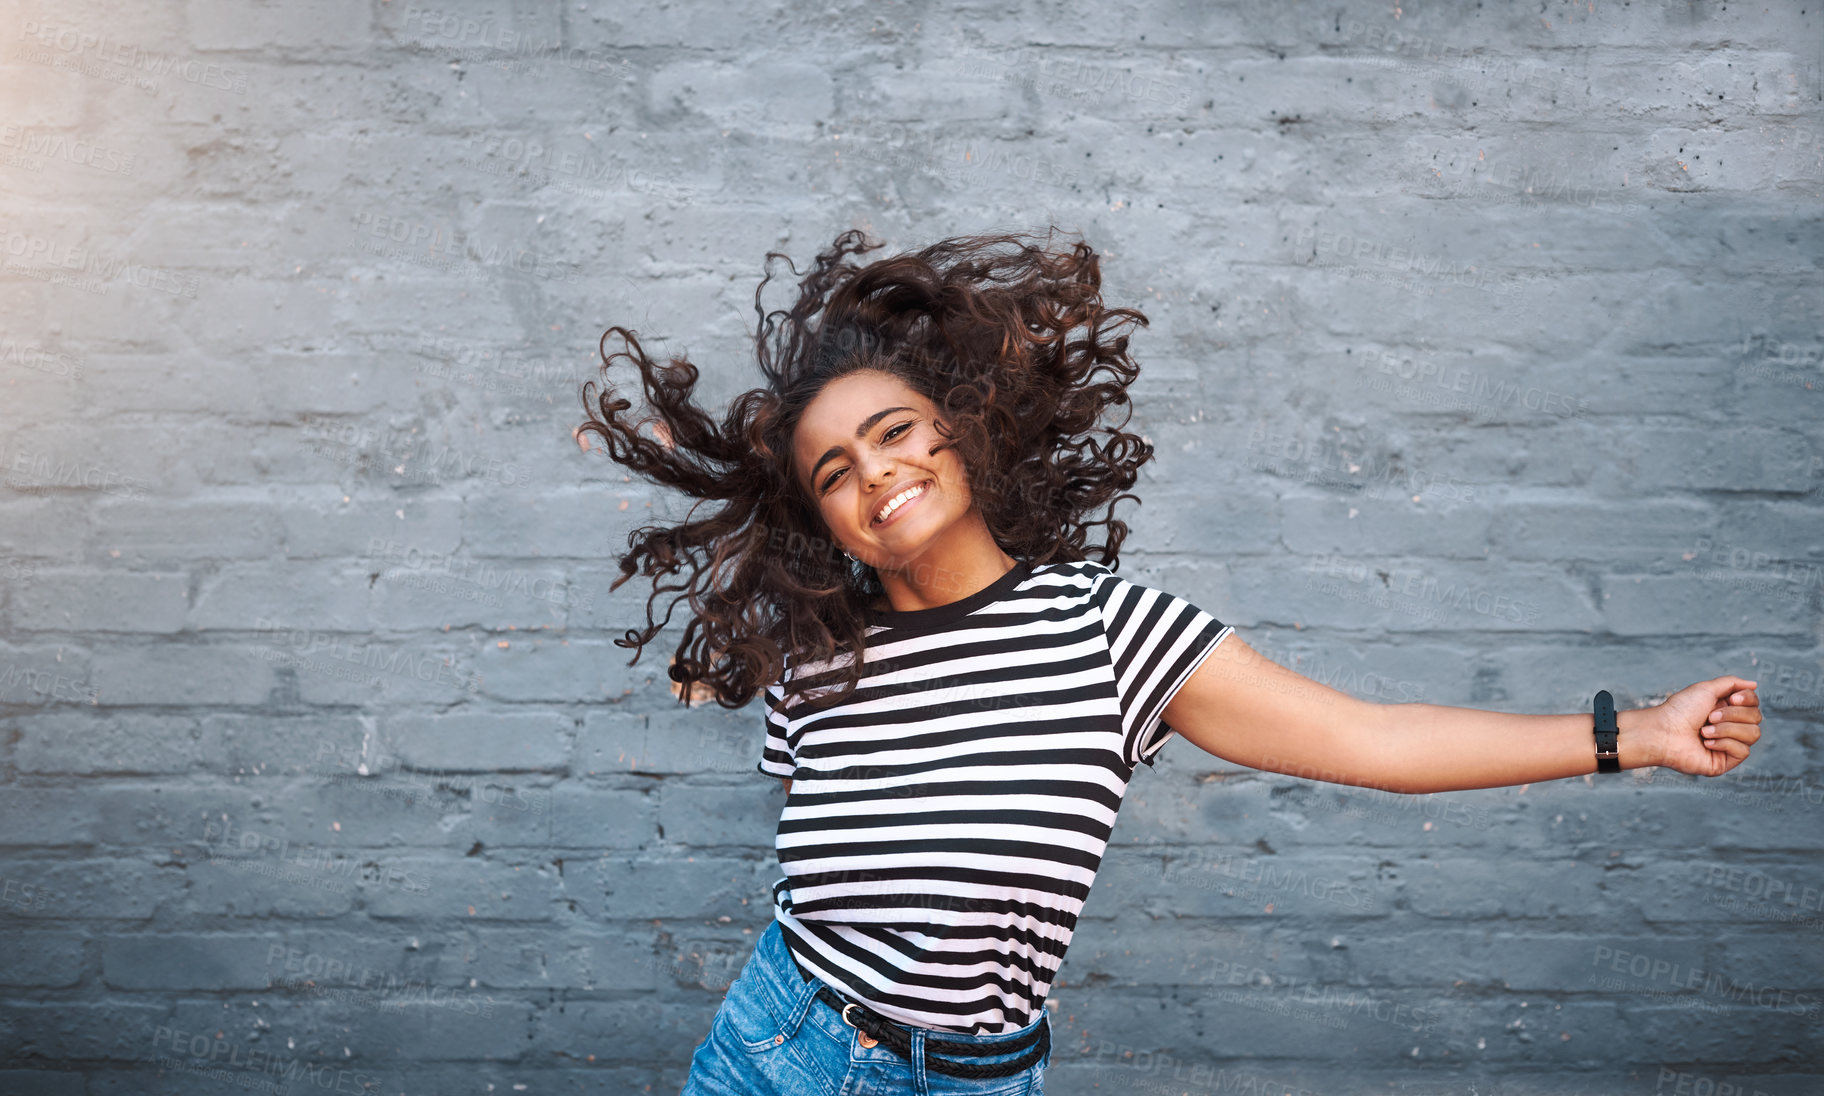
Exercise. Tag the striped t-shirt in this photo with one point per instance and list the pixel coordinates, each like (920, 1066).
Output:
(945, 823)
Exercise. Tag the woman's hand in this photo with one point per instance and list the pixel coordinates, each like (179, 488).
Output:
(1706, 729)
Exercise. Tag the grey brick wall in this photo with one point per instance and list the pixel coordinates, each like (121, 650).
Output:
(1484, 369)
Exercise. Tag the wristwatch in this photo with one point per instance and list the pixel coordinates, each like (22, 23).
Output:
(1608, 753)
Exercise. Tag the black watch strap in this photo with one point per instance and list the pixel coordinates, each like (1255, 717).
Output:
(1608, 754)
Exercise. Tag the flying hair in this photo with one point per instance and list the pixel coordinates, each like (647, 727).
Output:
(1007, 337)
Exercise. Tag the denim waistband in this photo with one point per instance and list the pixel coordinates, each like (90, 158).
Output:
(792, 999)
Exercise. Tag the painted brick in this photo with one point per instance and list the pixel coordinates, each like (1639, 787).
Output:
(1587, 234)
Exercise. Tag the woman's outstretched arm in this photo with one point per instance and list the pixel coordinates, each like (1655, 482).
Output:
(1249, 710)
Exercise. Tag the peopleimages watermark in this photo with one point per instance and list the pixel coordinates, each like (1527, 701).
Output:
(1790, 687)
(951, 901)
(1673, 1082)
(472, 580)
(723, 752)
(1420, 54)
(1311, 1001)
(1262, 879)
(62, 263)
(960, 696)
(1074, 78)
(1361, 251)
(333, 865)
(468, 38)
(1785, 361)
(1639, 965)
(953, 157)
(1503, 181)
(997, 158)
(210, 1052)
(27, 897)
(1425, 590)
(48, 684)
(445, 250)
(216, 1073)
(40, 359)
(1128, 1068)
(20, 144)
(1247, 665)
(1376, 597)
(828, 553)
(365, 987)
(1756, 570)
(73, 49)
(1346, 679)
(413, 782)
(1326, 463)
(307, 642)
(1755, 893)
(1404, 376)
(32, 472)
(413, 458)
(84, 66)
(698, 972)
(572, 171)
(1388, 803)
(1770, 792)
(463, 361)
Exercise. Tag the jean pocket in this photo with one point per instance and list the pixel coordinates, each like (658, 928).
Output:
(753, 1026)
(780, 1057)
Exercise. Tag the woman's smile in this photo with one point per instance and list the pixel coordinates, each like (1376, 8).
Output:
(903, 498)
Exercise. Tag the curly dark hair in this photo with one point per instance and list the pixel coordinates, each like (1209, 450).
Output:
(1004, 337)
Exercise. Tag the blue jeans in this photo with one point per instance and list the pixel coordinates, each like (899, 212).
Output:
(773, 1037)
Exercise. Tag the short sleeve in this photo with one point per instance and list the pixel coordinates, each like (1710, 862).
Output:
(1156, 639)
(776, 757)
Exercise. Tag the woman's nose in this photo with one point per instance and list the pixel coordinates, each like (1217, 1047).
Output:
(876, 472)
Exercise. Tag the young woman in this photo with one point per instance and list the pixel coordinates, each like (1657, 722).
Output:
(958, 686)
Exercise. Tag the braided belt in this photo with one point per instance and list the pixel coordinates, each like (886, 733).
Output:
(876, 1028)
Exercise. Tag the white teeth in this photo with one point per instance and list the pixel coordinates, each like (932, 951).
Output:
(897, 501)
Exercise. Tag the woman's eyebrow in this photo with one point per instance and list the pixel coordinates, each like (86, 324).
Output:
(860, 432)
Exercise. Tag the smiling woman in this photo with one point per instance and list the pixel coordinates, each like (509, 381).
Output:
(958, 709)
(981, 365)
(898, 553)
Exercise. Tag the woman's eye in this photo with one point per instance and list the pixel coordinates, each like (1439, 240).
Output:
(888, 436)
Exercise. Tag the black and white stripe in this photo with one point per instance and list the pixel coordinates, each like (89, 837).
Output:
(946, 822)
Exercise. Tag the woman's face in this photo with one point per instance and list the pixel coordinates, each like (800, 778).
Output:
(864, 441)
